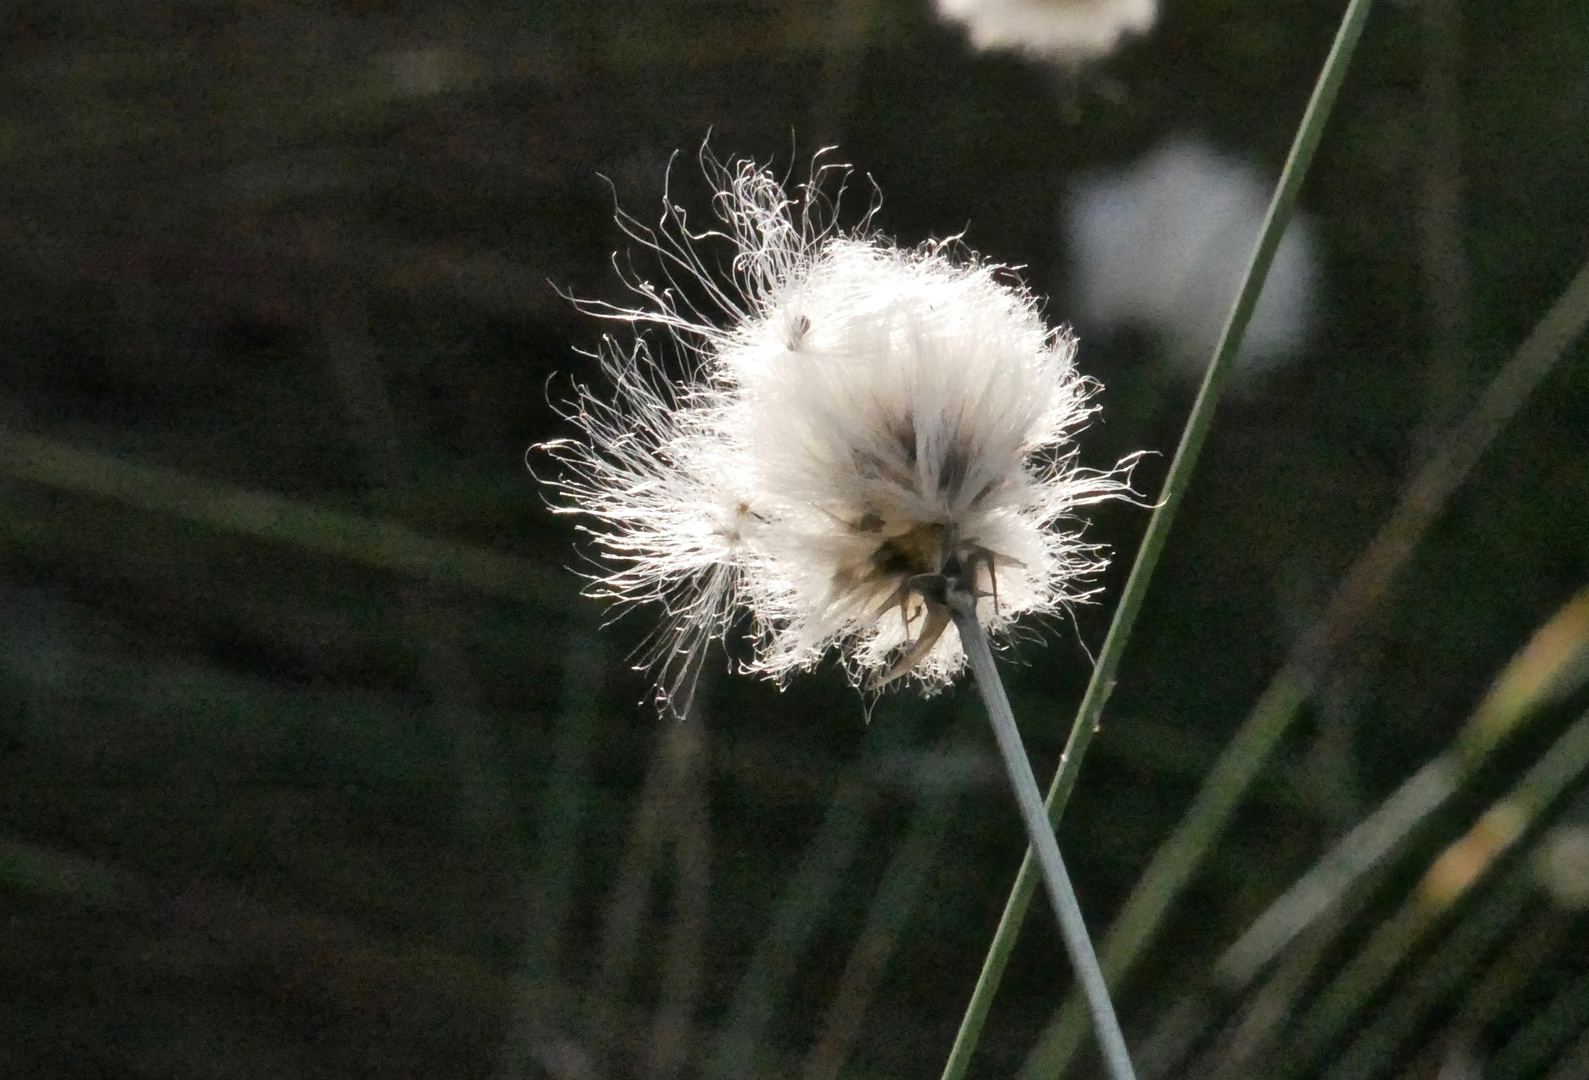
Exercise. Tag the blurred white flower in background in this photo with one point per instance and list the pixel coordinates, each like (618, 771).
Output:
(1564, 866)
(1163, 246)
(860, 427)
(428, 70)
(1049, 29)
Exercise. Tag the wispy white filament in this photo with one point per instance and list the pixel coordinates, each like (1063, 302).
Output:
(859, 422)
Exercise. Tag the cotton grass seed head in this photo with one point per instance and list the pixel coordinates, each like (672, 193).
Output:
(862, 428)
(1062, 30)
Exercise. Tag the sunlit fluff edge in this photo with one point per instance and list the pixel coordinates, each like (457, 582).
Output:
(856, 419)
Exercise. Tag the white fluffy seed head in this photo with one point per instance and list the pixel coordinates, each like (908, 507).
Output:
(860, 423)
(1064, 30)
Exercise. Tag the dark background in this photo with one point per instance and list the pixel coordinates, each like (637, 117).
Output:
(353, 784)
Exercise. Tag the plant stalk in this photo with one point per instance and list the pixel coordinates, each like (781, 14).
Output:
(1176, 482)
(1277, 708)
(962, 607)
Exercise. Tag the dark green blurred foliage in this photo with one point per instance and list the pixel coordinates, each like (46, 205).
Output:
(312, 762)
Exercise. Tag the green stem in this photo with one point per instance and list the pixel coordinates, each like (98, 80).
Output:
(1249, 749)
(1175, 485)
(963, 607)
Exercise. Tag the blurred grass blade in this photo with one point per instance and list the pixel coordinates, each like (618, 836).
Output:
(1451, 877)
(654, 825)
(1574, 1061)
(1450, 966)
(559, 822)
(1490, 996)
(1364, 583)
(803, 905)
(683, 962)
(902, 889)
(1182, 466)
(385, 545)
(336, 957)
(1544, 1036)
(32, 868)
(1553, 664)
(1358, 852)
